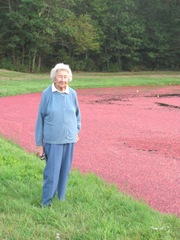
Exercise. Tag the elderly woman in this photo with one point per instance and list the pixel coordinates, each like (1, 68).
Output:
(57, 128)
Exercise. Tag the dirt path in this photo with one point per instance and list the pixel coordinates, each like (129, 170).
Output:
(130, 136)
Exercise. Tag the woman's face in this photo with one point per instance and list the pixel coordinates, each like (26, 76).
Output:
(61, 80)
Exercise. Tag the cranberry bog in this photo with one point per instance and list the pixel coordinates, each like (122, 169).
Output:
(130, 137)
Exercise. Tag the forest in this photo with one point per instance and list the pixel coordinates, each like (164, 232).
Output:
(94, 35)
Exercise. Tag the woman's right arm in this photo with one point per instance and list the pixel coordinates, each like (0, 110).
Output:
(39, 127)
(39, 150)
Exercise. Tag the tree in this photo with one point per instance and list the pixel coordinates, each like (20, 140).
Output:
(96, 34)
(160, 40)
(27, 32)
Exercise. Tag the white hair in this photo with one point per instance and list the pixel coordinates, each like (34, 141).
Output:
(61, 66)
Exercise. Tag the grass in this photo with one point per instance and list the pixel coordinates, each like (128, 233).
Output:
(93, 208)
(14, 83)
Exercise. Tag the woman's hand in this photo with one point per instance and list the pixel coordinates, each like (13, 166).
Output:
(39, 150)
(77, 138)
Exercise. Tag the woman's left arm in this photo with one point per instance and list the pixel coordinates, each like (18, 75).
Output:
(78, 115)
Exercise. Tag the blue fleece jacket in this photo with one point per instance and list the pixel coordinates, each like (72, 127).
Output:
(59, 118)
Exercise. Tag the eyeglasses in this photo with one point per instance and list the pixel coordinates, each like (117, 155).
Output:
(62, 77)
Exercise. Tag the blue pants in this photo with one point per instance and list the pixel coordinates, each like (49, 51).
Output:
(56, 171)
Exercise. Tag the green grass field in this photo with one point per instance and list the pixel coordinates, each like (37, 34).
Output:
(13, 83)
(94, 210)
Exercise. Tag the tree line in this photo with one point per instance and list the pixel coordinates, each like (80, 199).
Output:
(96, 35)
